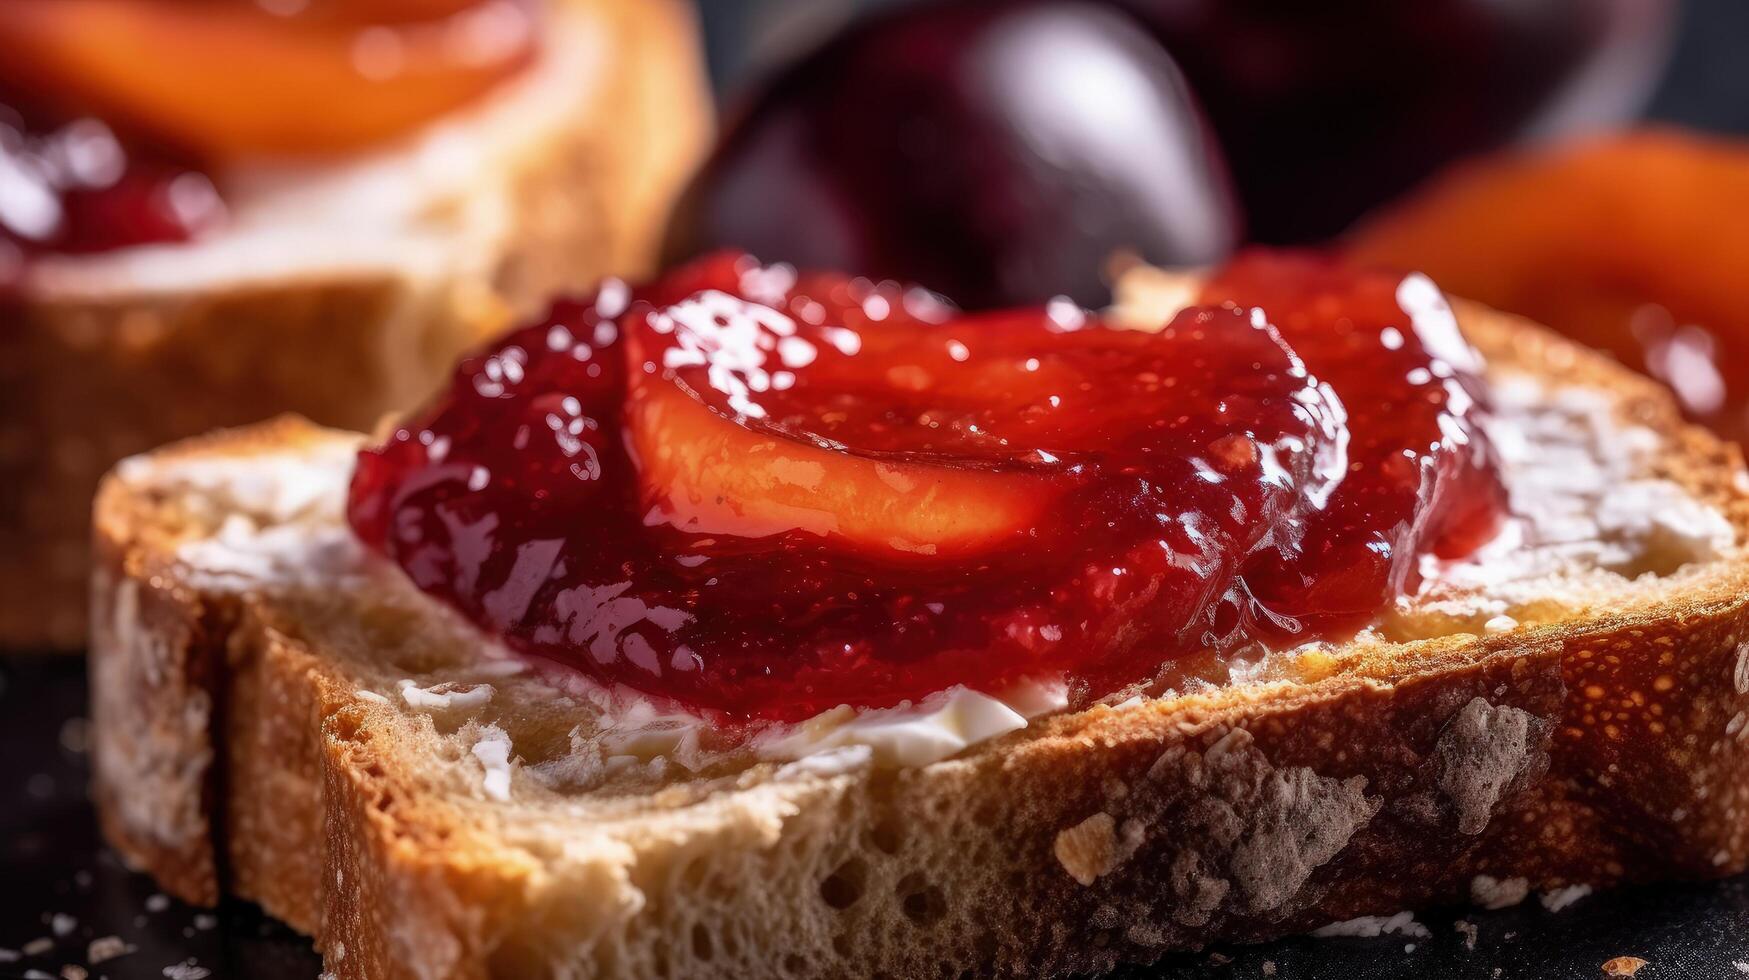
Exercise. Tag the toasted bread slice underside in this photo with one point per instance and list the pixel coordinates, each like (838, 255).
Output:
(280, 719)
(560, 179)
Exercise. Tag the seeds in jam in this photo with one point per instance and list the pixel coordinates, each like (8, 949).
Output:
(768, 496)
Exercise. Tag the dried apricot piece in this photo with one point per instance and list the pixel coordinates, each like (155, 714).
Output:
(1627, 242)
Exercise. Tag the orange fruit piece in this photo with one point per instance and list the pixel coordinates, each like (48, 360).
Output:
(228, 80)
(1628, 242)
(706, 473)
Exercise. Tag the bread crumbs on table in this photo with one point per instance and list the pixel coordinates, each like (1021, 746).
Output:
(106, 948)
(1470, 931)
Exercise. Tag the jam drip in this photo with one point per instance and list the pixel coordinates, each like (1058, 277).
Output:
(768, 496)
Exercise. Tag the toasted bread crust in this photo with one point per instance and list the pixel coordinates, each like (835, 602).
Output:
(1600, 750)
(87, 380)
(188, 722)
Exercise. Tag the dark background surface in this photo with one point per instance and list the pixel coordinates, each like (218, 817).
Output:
(1706, 83)
(59, 885)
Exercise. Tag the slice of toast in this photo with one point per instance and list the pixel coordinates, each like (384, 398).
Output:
(278, 717)
(338, 290)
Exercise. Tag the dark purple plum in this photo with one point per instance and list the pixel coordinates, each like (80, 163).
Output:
(1328, 108)
(996, 152)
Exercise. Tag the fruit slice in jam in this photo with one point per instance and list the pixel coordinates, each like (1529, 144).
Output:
(705, 476)
(769, 497)
(230, 79)
(186, 85)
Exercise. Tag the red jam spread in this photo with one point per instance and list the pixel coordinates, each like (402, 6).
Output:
(75, 187)
(1421, 476)
(766, 495)
(189, 87)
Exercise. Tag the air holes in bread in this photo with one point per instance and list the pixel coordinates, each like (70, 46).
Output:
(922, 902)
(844, 886)
(344, 724)
(886, 836)
(693, 874)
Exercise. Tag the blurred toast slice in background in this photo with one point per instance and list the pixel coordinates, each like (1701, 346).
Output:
(339, 290)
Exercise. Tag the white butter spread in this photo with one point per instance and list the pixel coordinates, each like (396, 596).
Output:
(279, 516)
(242, 552)
(633, 728)
(446, 695)
(270, 488)
(493, 750)
(1586, 504)
(939, 726)
(827, 763)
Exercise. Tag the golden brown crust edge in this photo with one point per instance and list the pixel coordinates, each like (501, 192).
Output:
(192, 755)
(1595, 752)
(86, 382)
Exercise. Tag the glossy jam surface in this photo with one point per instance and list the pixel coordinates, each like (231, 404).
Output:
(769, 496)
(1421, 476)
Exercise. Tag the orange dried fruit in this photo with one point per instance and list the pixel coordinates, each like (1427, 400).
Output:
(1626, 242)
